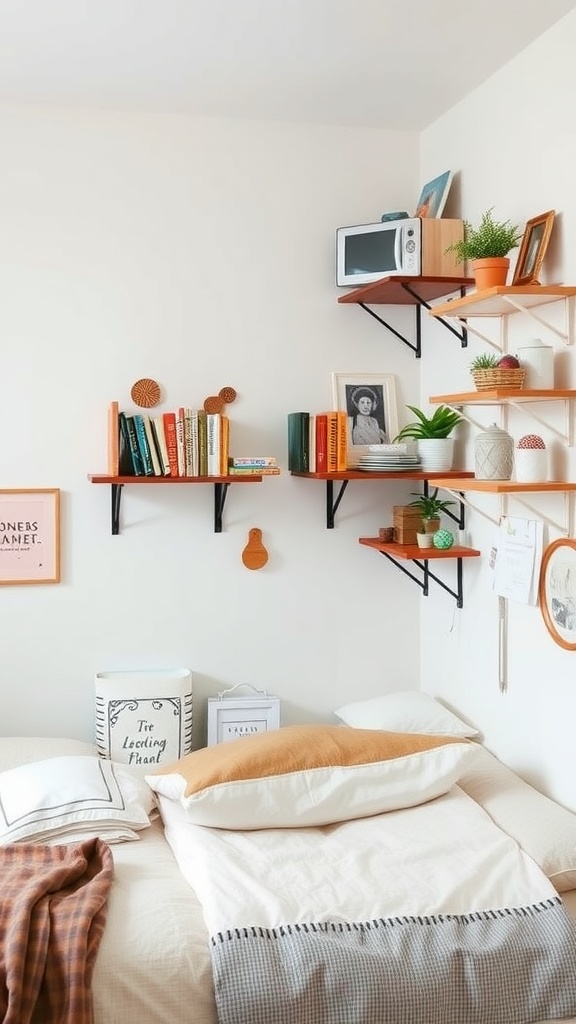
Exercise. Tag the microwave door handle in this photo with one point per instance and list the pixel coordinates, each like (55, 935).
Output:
(399, 248)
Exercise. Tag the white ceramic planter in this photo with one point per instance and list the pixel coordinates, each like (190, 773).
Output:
(530, 465)
(436, 454)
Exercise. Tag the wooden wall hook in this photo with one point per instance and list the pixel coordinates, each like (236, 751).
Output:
(254, 554)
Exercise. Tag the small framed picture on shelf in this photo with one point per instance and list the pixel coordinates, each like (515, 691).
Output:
(533, 249)
(557, 592)
(232, 718)
(433, 196)
(30, 536)
(369, 400)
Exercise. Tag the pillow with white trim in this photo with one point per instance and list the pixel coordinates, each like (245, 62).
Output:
(405, 711)
(302, 775)
(545, 830)
(64, 799)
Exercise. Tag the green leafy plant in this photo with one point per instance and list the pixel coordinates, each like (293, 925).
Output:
(429, 505)
(490, 238)
(486, 361)
(441, 424)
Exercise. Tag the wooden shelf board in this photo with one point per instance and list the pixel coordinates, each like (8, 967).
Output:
(409, 552)
(502, 486)
(501, 396)
(492, 301)
(101, 478)
(390, 290)
(359, 474)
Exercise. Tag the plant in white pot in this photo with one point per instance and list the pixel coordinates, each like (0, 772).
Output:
(432, 434)
(430, 507)
(486, 248)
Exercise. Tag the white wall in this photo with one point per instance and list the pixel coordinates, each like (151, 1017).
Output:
(513, 145)
(200, 253)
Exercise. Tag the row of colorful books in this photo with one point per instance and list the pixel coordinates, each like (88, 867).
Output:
(317, 442)
(184, 443)
(187, 442)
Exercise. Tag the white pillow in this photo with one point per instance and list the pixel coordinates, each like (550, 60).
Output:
(545, 830)
(304, 775)
(72, 797)
(16, 750)
(405, 711)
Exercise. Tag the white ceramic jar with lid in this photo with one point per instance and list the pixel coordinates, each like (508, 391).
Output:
(493, 454)
(537, 360)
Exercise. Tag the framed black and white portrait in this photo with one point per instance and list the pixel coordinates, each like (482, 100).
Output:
(369, 400)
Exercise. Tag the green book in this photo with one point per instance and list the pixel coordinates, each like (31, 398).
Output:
(299, 442)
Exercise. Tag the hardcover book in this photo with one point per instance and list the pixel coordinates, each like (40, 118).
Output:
(154, 456)
(113, 440)
(171, 443)
(143, 445)
(133, 445)
(213, 434)
(321, 443)
(298, 437)
(160, 442)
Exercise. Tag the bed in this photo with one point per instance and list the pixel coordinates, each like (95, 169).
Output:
(178, 888)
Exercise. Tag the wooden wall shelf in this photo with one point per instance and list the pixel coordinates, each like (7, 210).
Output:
(220, 483)
(420, 557)
(345, 476)
(403, 290)
(503, 300)
(502, 396)
(501, 486)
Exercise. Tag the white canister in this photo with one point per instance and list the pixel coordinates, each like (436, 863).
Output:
(537, 360)
(531, 460)
(493, 454)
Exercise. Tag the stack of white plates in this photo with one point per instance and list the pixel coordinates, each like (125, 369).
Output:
(389, 463)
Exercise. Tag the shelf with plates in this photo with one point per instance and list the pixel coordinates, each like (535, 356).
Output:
(343, 478)
(220, 484)
(420, 558)
(405, 290)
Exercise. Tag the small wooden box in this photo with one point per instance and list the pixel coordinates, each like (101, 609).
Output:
(407, 523)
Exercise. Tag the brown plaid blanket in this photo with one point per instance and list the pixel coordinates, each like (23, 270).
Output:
(53, 902)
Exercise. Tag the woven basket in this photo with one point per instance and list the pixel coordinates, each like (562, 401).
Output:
(498, 377)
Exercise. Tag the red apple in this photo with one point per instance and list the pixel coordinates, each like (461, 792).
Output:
(509, 363)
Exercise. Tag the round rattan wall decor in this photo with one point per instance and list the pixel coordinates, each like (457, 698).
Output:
(145, 393)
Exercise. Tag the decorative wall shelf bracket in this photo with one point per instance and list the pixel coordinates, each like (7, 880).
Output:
(398, 553)
(220, 485)
(331, 504)
(474, 508)
(502, 301)
(511, 489)
(417, 291)
(566, 435)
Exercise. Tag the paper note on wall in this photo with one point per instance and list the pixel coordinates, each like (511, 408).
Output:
(516, 557)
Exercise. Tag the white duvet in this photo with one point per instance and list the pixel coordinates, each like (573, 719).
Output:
(439, 859)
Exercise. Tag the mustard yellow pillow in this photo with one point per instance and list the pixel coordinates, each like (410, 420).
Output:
(303, 775)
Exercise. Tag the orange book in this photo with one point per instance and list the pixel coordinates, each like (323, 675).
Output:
(341, 440)
(332, 441)
(113, 440)
(169, 419)
(224, 444)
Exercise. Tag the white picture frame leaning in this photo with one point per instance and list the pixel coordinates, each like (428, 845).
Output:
(377, 425)
(230, 718)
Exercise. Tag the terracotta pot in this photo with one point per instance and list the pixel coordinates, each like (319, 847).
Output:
(490, 271)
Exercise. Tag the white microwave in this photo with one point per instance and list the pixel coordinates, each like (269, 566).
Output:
(414, 246)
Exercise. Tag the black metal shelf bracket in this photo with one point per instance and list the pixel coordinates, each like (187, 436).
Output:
(460, 517)
(115, 510)
(419, 303)
(220, 492)
(331, 505)
(424, 581)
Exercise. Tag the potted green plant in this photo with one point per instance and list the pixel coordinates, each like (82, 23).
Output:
(432, 434)
(486, 248)
(430, 507)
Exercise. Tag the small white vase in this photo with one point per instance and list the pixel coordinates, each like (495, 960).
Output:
(436, 454)
(425, 540)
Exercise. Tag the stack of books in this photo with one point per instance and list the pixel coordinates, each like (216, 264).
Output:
(317, 442)
(263, 465)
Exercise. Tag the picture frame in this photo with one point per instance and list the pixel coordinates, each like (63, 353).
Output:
(433, 196)
(377, 425)
(533, 249)
(231, 718)
(29, 536)
(557, 592)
